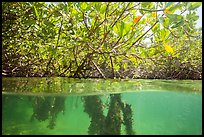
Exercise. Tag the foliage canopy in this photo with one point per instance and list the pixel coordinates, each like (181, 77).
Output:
(102, 39)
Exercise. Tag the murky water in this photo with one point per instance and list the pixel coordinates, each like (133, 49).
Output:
(101, 107)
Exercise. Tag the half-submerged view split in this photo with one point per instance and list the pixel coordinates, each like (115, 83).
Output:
(101, 68)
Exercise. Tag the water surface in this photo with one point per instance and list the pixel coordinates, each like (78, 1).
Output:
(87, 106)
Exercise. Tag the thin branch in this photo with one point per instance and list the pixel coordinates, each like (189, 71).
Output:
(98, 69)
(116, 43)
(189, 34)
(183, 11)
(59, 32)
(133, 7)
(105, 34)
(84, 19)
(54, 48)
(84, 60)
(95, 28)
(113, 74)
(127, 39)
(152, 10)
(142, 36)
(114, 23)
(172, 33)
(136, 56)
(95, 51)
(125, 16)
(115, 9)
(120, 15)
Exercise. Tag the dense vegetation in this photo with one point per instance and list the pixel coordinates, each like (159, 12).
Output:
(106, 40)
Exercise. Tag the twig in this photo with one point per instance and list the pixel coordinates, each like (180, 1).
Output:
(114, 23)
(172, 33)
(189, 34)
(115, 10)
(116, 43)
(84, 19)
(120, 15)
(98, 69)
(133, 7)
(142, 36)
(113, 75)
(152, 10)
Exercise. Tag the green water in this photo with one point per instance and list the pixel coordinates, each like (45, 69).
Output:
(69, 106)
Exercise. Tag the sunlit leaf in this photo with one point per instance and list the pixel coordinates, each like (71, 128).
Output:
(36, 12)
(168, 48)
(116, 67)
(83, 5)
(194, 5)
(167, 11)
(156, 27)
(127, 28)
(166, 22)
(103, 9)
(74, 11)
(115, 29)
(148, 5)
(154, 14)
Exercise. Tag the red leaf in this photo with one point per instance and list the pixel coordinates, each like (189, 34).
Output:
(137, 19)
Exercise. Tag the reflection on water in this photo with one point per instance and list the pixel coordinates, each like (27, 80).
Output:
(67, 86)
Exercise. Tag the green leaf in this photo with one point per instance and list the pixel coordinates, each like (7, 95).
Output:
(116, 67)
(194, 5)
(166, 22)
(118, 28)
(98, 6)
(49, 24)
(30, 22)
(83, 5)
(180, 23)
(103, 9)
(125, 65)
(74, 11)
(175, 7)
(121, 28)
(192, 16)
(195, 18)
(164, 34)
(36, 12)
(174, 17)
(57, 14)
(156, 28)
(126, 28)
(115, 29)
(148, 5)
(142, 21)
